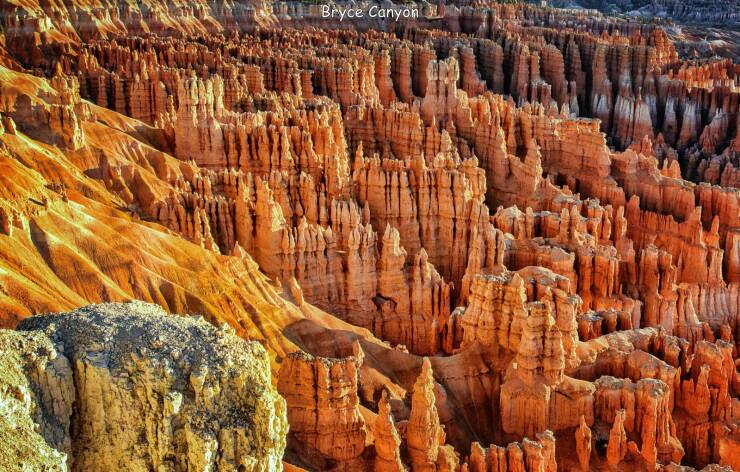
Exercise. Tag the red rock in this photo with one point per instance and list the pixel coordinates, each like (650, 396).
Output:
(425, 435)
(583, 445)
(387, 441)
(239, 162)
(617, 448)
(323, 407)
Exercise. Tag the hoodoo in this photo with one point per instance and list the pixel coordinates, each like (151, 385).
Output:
(446, 236)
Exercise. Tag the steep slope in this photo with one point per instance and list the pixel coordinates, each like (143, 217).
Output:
(67, 241)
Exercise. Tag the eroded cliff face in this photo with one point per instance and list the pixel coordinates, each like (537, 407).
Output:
(327, 427)
(35, 426)
(495, 237)
(129, 386)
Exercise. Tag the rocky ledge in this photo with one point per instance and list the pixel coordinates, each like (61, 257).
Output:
(127, 386)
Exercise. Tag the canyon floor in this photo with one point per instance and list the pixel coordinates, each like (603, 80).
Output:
(495, 237)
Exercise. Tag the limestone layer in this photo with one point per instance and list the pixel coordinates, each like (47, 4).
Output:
(128, 386)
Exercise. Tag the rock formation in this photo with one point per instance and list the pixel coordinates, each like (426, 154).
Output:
(32, 438)
(617, 448)
(198, 395)
(583, 445)
(387, 440)
(425, 435)
(323, 408)
(466, 239)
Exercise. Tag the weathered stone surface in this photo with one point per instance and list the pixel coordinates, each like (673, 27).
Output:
(583, 445)
(425, 435)
(534, 198)
(200, 396)
(387, 440)
(36, 394)
(323, 408)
